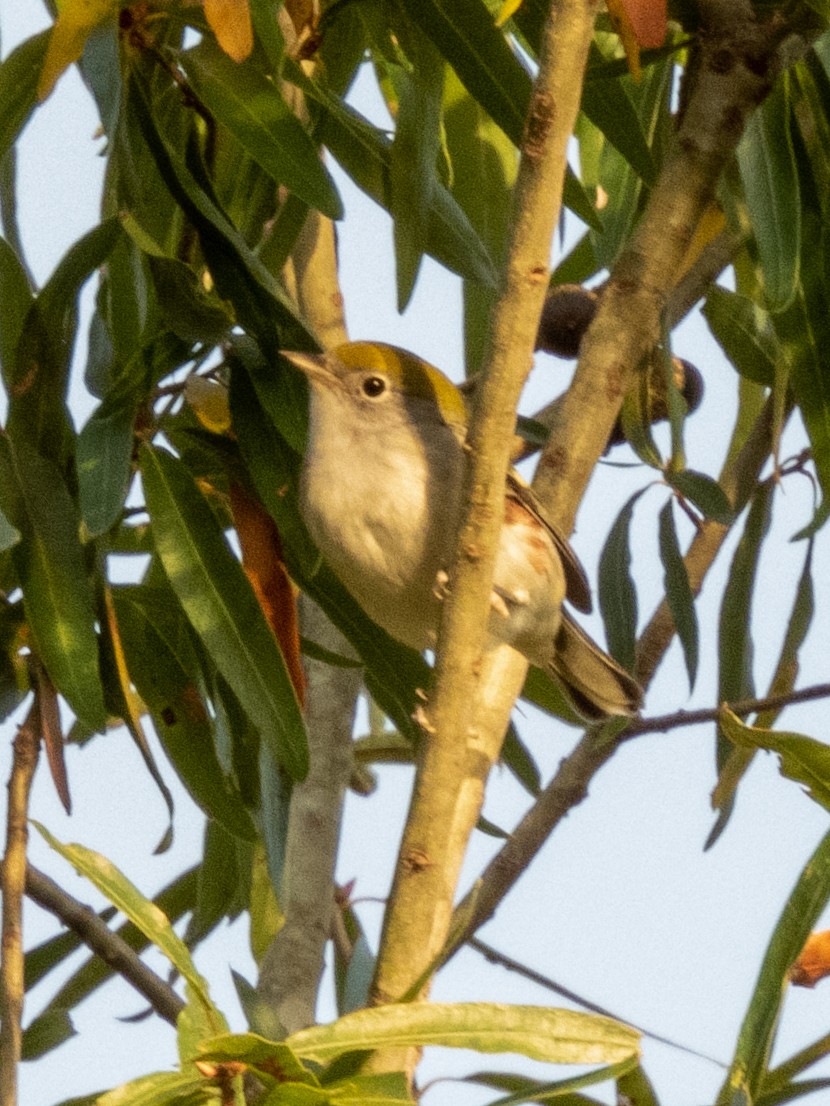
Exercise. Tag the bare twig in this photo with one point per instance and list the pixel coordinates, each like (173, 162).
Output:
(111, 948)
(664, 722)
(12, 881)
(496, 957)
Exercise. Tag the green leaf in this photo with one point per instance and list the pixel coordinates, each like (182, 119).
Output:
(556, 1036)
(103, 457)
(804, 332)
(19, 75)
(679, 595)
(744, 333)
(735, 648)
(705, 493)
(608, 105)
(803, 759)
(142, 912)
(222, 608)
(413, 155)
(175, 900)
(163, 1088)
(464, 32)
(50, 565)
(364, 151)
(38, 379)
(16, 297)
(799, 917)
(769, 174)
(384, 1089)
(617, 594)
(275, 1060)
(261, 307)
(219, 893)
(163, 669)
(248, 103)
(46, 1032)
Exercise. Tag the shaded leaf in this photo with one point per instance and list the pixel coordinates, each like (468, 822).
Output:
(16, 297)
(46, 1032)
(769, 175)
(249, 104)
(705, 493)
(162, 665)
(221, 606)
(617, 594)
(76, 20)
(19, 74)
(804, 906)
(679, 595)
(103, 458)
(52, 573)
(743, 332)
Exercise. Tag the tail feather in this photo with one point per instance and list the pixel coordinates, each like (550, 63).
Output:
(597, 686)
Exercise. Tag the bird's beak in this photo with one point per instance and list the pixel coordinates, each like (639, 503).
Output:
(312, 365)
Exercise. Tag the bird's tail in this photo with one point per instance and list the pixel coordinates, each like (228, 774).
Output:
(596, 685)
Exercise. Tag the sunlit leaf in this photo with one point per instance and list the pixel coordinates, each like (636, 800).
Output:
(230, 21)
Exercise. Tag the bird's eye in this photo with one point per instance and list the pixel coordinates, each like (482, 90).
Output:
(374, 386)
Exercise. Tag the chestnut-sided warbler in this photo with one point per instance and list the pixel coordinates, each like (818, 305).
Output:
(381, 494)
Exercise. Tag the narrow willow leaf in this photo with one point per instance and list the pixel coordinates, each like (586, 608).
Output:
(735, 648)
(413, 156)
(16, 297)
(744, 333)
(243, 98)
(46, 1032)
(536, 1090)
(800, 915)
(542, 1033)
(804, 330)
(142, 912)
(39, 377)
(50, 566)
(364, 151)
(617, 594)
(609, 107)
(103, 457)
(769, 175)
(705, 493)
(175, 900)
(678, 592)
(161, 665)
(803, 759)
(19, 75)
(384, 1089)
(239, 275)
(222, 608)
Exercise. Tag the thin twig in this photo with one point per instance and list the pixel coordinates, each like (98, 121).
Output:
(496, 957)
(111, 948)
(12, 881)
(663, 722)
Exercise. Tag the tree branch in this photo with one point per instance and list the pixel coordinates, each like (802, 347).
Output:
(465, 718)
(12, 881)
(98, 937)
(664, 722)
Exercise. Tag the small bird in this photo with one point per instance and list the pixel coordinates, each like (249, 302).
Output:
(380, 492)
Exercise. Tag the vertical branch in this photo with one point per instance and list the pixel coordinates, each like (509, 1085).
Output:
(24, 762)
(465, 719)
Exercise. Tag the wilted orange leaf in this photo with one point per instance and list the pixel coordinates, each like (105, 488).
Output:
(262, 560)
(624, 28)
(648, 21)
(76, 20)
(230, 21)
(814, 962)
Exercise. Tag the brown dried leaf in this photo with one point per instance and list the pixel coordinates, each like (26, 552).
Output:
(814, 962)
